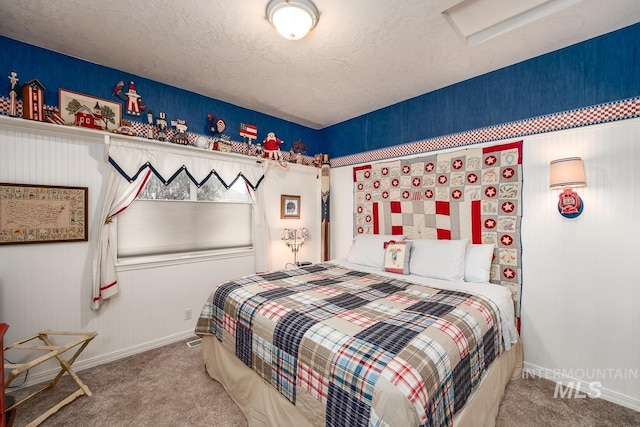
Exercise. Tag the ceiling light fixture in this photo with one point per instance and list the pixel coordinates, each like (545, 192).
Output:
(292, 18)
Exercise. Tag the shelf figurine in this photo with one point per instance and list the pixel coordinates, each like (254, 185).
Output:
(134, 102)
(33, 100)
(215, 126)
(248, 133)
(181, 132)
(299, 149)
(13, 94)
(271, 146)
(150, 124)
(161, 121)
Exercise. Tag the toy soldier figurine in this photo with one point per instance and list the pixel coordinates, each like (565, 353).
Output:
(150, 124)
(13, 94)
(161, 121)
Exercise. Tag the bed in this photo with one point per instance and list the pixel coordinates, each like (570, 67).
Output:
(340, 343)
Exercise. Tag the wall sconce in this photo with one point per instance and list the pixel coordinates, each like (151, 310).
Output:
(292, 18)
(567, 174)
(294, 238)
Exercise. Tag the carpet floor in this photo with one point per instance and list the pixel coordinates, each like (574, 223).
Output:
(168, 386)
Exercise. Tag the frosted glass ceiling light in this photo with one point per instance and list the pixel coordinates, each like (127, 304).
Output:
(292, 18)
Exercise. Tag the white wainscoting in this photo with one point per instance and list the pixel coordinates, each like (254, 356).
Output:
(48, 286)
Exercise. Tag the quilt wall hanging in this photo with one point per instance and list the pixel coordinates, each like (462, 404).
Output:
(473, 193)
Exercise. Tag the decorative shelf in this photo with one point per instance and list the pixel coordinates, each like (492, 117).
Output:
(45, 128)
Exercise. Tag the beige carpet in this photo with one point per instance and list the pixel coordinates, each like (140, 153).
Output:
(168, 386)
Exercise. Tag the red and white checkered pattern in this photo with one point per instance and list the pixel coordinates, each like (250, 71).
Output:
(609, 112)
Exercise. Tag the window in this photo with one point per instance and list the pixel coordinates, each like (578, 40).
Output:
(182, 221)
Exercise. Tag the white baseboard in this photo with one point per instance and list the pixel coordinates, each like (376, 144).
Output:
(606, 394)
(81, 365)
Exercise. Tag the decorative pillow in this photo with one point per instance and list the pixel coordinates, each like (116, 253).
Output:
(477, 266)
(369, 249)
(397, 255)
(439, 259)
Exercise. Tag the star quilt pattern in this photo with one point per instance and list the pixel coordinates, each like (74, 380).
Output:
(473, 193)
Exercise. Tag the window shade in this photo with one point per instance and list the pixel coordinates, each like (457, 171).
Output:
(156, 227)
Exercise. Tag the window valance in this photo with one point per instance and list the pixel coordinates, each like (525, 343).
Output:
(167, 161)
(136, 160)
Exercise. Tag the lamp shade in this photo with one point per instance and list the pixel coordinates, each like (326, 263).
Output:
(292, 18)
(567, 173)
(295, 235)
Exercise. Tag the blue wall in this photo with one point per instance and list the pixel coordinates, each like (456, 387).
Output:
(56, 71)
(603, 69)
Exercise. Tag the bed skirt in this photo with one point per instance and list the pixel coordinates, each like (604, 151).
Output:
(264, 406)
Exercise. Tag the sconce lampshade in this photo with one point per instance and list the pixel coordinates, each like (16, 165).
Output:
(567, 173)
(292, 18)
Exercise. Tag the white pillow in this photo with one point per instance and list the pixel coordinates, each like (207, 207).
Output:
(396, 258)
(369, 250)
(477, 266)
(439, 259)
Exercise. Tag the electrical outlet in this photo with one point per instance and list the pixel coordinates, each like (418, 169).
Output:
(187, 314)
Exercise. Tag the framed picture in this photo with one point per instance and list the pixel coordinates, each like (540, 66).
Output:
(89, 112)
(42, 214)
(289, 207)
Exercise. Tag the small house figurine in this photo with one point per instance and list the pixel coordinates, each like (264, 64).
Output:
(181, 132)
(224, 144)
(33, 100)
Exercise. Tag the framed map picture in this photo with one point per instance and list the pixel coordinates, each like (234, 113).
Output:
(42, 214)
(88, 111)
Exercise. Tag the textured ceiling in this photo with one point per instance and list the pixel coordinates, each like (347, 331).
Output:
(363, 54)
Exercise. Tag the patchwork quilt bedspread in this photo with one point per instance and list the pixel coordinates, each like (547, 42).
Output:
(352, 348)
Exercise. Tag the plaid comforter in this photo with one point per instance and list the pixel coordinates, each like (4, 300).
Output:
(352, 348)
